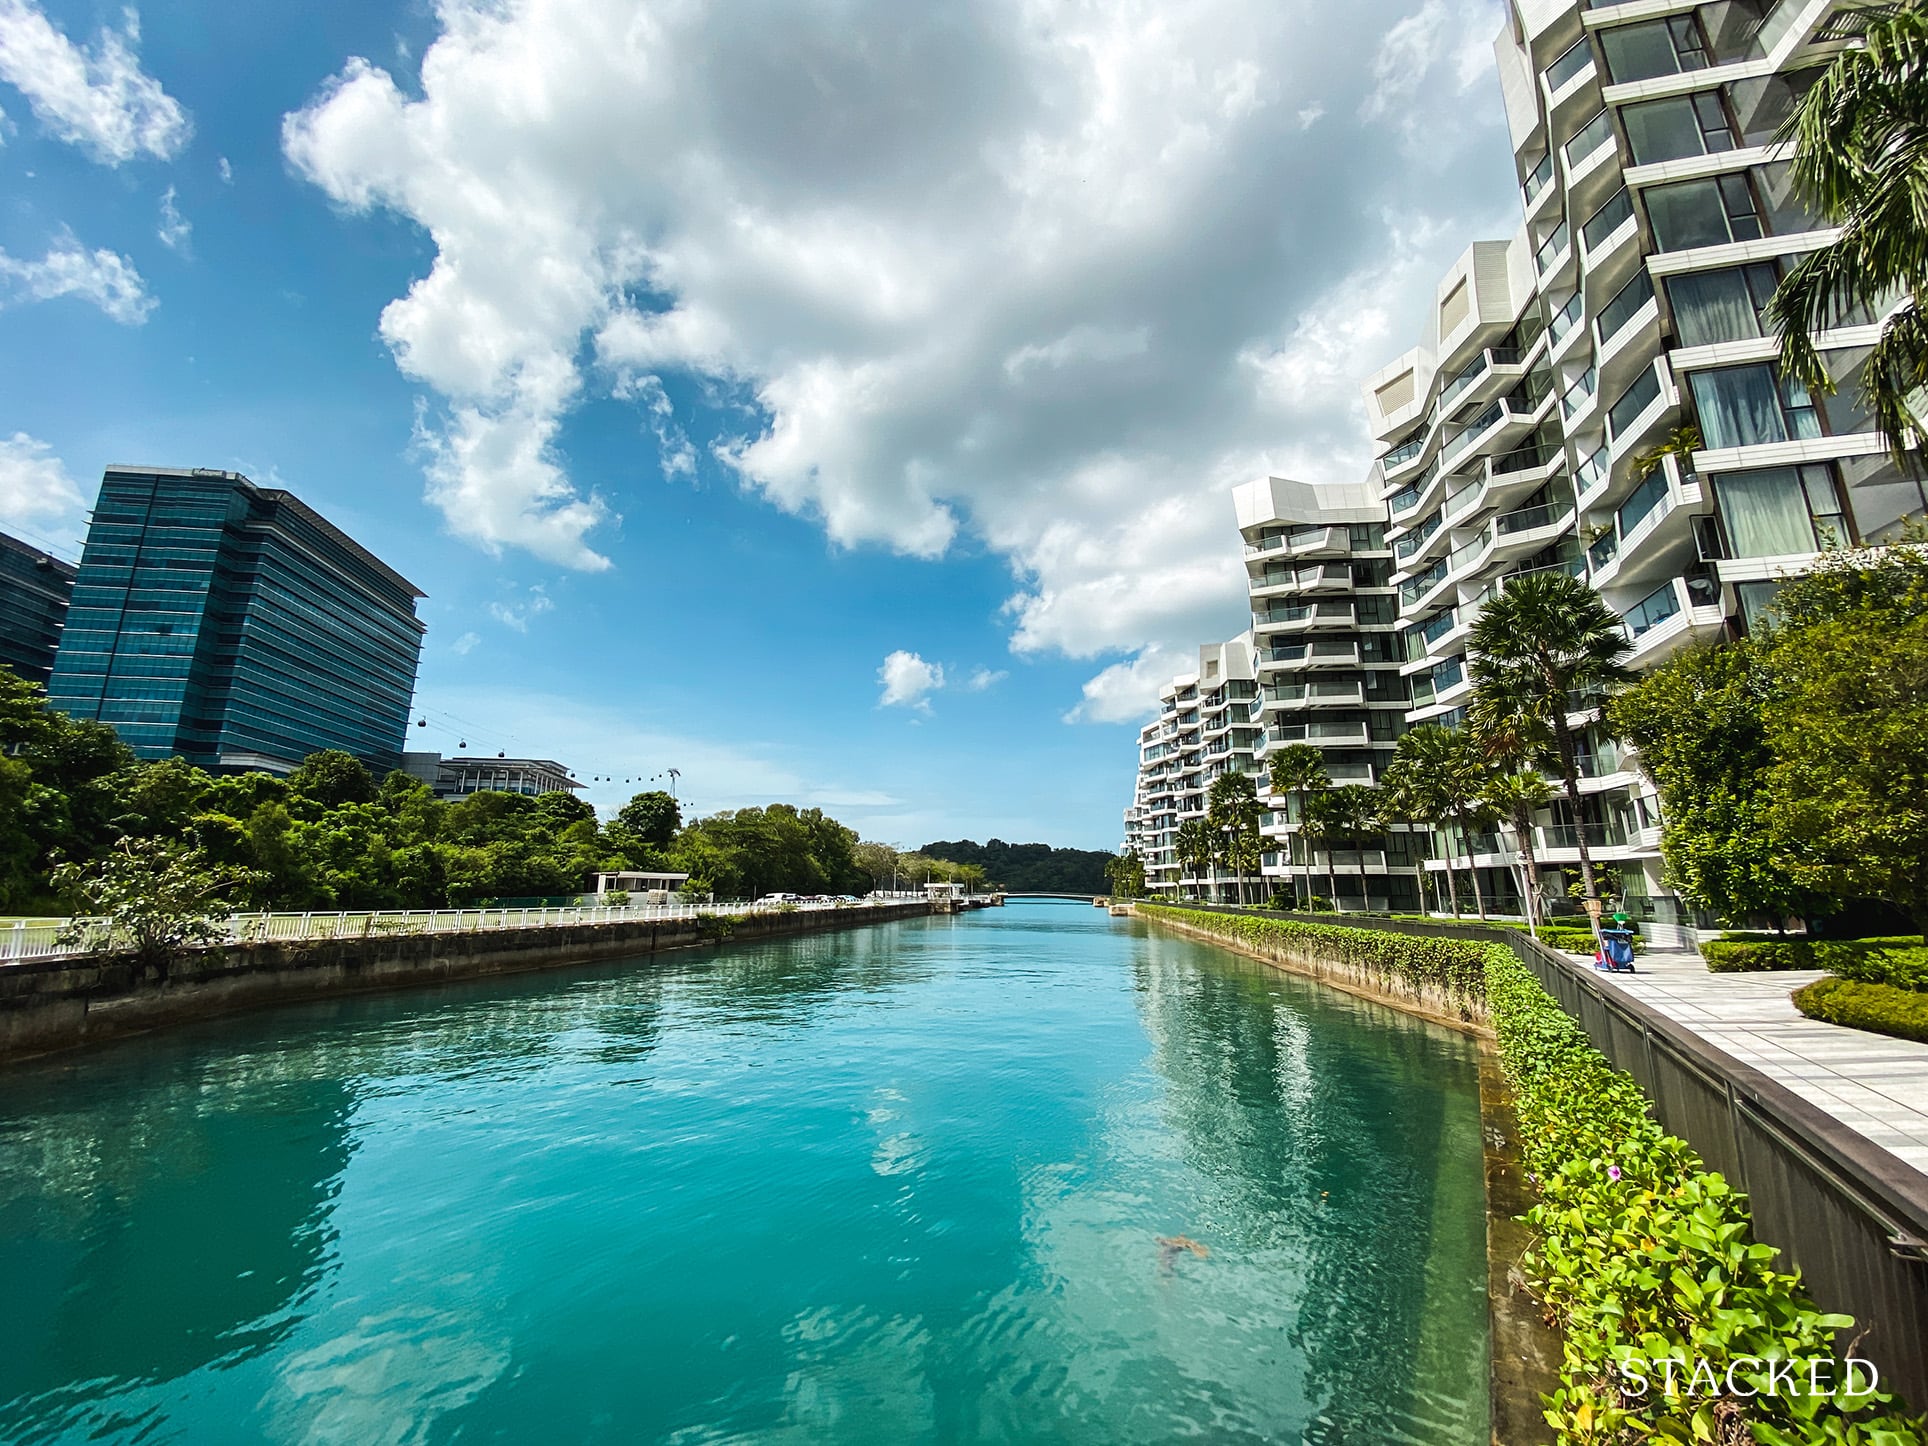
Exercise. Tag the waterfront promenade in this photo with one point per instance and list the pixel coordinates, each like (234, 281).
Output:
(1873, 1084)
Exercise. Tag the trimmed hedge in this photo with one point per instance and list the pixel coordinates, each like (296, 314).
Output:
(1645, 1255)
(1902, 963)
(1642, 1252)
(1456, 966)
(1880, 1008)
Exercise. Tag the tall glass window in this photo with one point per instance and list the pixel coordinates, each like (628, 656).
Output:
(1781, 511)
(1709, 212)
(1594, 134)
(1744, 406)
(1657, 47)
(1711, 306)
(1682, 125)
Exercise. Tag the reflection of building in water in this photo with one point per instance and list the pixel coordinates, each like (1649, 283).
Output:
(1350, 1133)
(155, 1226)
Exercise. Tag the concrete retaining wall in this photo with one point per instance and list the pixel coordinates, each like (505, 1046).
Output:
(1439, 1005)
(53, 1004)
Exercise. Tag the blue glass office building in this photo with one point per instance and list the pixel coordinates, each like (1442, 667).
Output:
(34, 590)
(234, 626)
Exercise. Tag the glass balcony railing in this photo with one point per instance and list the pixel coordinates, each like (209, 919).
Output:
(1566, 318)
(1653, 610)
(1413, 541)
(1602, 551)
(1523, 459)
(1526, 519)
(1550, 249)
(1478, 367)
(1399, 456)
(1537, 178)
(1594, 134)
(1410, 592)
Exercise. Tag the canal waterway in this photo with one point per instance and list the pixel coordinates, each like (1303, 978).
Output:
(906, 1183)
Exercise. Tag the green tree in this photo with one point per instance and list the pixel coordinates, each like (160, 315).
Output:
(653, 817)
(1847, 723)
(1541, 650)
(1126, 875)
(1194, 846)
(1515, 796)
(1698, 729)
(1338, 818)
(151, 896)
(1861, 163)
(1295, 773)
(1444, 773)
(1402, 801)
(157, 800)
(1232, 810)
(331, 778)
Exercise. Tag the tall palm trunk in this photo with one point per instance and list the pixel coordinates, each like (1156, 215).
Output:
(1472, 866)
(1452, 882)
(1331, 878)
(1570, 779)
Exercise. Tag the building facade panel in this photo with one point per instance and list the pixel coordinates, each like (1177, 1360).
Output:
(36, 589)
(235, 627)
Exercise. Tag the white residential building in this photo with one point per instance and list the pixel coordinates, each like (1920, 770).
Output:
(1329, 656)
(1657, 222)
(1207, 725)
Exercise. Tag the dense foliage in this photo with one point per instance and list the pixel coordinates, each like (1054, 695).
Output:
(1793, 765)
(1028, 868)
(1645, 1255)
(332, 836)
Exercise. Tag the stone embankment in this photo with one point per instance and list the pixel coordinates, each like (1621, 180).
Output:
(54, 1004)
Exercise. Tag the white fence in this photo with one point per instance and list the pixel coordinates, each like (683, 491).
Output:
(28, 939)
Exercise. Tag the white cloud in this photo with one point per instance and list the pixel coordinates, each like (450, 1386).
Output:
(1050, 275)
(981, 679)
(517, 615)
(465, 644)
(226, 170)
(176, 230)
(106, 279)
(908, 681)
(38, 500)
(1128, 692)
(96, 98)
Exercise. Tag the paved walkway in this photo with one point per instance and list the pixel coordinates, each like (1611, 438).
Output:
(1869, 1082)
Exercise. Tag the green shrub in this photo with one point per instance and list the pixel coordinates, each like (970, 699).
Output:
(1454, 965)
(1741, 956)
(1880, 1008)
(1645, 1254)
(1902, 963)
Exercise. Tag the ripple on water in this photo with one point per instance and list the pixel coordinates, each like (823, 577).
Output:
(904, 1184)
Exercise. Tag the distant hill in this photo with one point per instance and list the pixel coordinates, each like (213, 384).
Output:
(1031, 867)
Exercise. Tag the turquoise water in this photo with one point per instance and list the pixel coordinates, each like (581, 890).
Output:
(903, 1184)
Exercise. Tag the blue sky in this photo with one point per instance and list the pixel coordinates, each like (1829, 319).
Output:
(835, 402)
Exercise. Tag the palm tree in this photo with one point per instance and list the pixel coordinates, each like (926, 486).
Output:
(1447, 772)
(1861, 163)
(1400, 802)
(1515, 796)
(1193, 845)
(1232, 810)
(1298, 771)
(1543, 640)
(1338, 816)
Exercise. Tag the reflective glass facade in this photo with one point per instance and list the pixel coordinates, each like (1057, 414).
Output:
(34, 590)
(235, 627)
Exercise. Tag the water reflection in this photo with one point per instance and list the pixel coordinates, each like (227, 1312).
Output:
(904, 1184)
